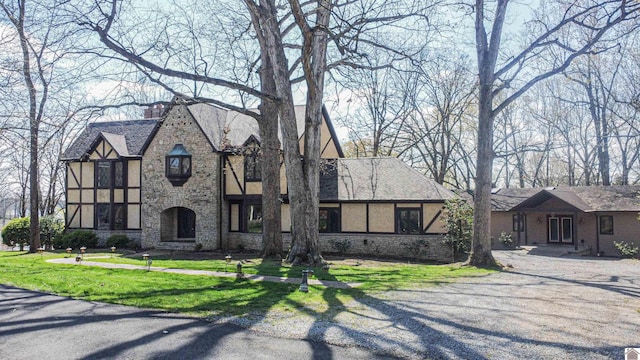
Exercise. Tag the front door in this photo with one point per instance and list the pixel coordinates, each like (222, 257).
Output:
(186, 223)
(561, 229)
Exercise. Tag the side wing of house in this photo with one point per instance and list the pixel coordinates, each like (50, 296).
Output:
(103, 190)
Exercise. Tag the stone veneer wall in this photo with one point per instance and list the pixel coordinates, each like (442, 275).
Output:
(422, 247)
(201, 193)
(103, 235)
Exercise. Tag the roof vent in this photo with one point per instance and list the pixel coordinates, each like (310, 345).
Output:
(549, 188)
(495, 190)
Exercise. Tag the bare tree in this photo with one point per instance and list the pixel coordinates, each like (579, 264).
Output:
(549, 39)
(298, 29)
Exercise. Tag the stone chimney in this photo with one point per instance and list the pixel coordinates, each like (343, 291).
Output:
(154, 111)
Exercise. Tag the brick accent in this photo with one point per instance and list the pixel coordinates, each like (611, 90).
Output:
(201, 192)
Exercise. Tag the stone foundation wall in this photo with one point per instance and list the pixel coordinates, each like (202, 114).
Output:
(103, 235)
(422, 247)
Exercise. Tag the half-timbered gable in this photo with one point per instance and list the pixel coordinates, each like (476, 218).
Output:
(103, 177)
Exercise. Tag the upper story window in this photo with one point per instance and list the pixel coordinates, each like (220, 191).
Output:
(252, 164)
(103, 176)
(178, 165)
(109, 174)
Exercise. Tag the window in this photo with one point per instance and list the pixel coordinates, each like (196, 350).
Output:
(518, 222)
(329, 220)
(110, 217)
(178, 165)
(606, 225)
(254, 218)
(103, 174)
(118, 174)
(103, 216)
(118, 216)
(252, 165)
(409, 221)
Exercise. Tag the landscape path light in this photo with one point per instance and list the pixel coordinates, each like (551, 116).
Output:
(239, 269)
(113, 250)
(82, 250)
(40, 251)
(69, 251)
(227, 260)
(304, 286)
(147, 258)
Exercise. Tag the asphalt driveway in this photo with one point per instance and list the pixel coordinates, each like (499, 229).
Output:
(542, 307)
(39, 326)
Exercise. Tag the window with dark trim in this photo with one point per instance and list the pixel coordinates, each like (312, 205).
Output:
(178, 165)
(252, 165)
(606, 224)
(103, 174)
(118, 216)
(518, 222)
(103, 216)
(253, 218)
(409, 221)
(329, 220)
(118, 174)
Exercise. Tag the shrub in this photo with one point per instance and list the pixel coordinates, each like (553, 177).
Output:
(459, 224)
(626, 250)
(119, 241)
(78, 239)
(50, 229)
(506, 240)
(16, 232)
(340, 246)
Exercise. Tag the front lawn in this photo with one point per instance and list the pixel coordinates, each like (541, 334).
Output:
(217, 296)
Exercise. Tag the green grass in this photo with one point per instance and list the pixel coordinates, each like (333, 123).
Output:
(213, 296)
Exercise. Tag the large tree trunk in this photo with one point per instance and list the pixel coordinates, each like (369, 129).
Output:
(481, 243)
(34, 124)
(270, 148)
(487, 56)
(303, 203)
(307, 249)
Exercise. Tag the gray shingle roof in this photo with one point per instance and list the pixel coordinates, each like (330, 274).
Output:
(385, 178)
(129, 136)
(583, 198)
(215, 121)
(610, 198)
(505, 199)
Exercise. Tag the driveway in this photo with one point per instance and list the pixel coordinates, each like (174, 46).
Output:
(39, 326)
(543, 307)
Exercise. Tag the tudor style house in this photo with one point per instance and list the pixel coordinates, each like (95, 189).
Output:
(189, 177)
(587, 219)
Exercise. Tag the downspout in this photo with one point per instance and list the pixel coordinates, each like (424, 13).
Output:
(597, 235)
(221, 199)
(520, 221)
(575, 231)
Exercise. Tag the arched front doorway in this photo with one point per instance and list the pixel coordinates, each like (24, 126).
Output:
(178, 223)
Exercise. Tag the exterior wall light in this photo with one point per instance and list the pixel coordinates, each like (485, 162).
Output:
(178, 165)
